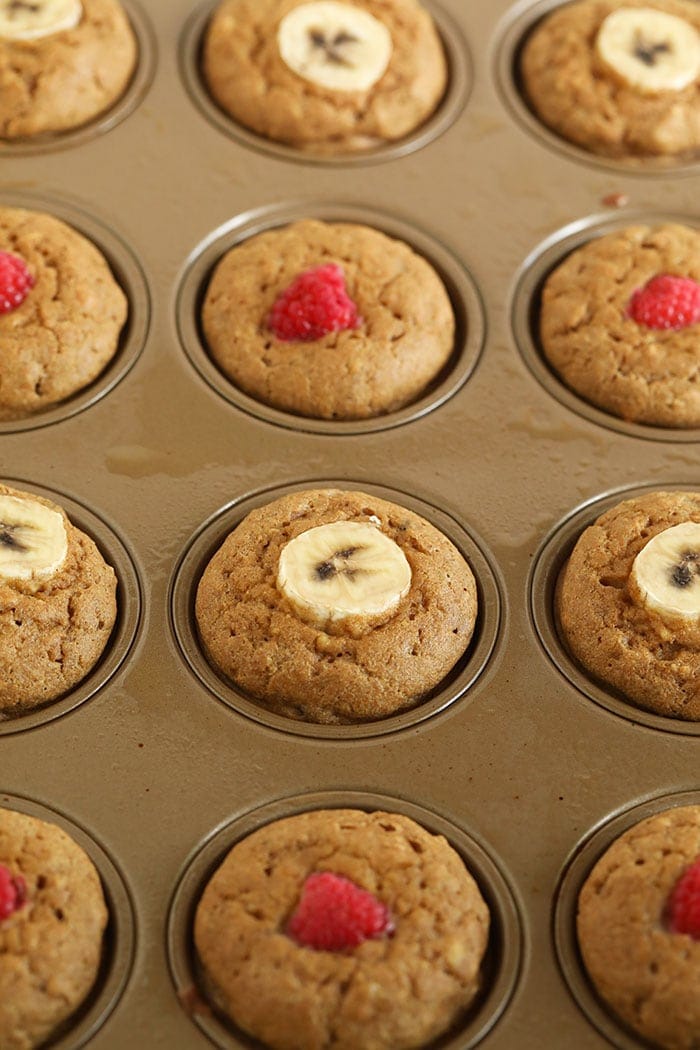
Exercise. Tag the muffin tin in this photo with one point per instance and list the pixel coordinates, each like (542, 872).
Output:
(518, 760)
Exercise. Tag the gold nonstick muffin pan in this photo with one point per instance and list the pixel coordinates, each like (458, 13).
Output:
(524, 764)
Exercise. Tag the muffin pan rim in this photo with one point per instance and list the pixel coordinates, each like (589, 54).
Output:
(448, 110)
(466, 300)
(574, 872)
(493, 878)
(129, 274)
(115, 972)
(523, 311)
(134, 94)
(554, 550)
(509, 39)
(458, 685)
(130, 613)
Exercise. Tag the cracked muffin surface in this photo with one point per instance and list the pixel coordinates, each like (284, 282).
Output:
(393, 993)
(53, 631)
(637, 373)
(252, 634)
(250, 81)
(647, 974)
(51, 946)
(61, 81)
(577, 96)
(62, 336)
(404, 340)
(653, 661)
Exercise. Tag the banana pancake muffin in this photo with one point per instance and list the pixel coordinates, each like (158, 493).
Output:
(57, 602)
(61, 312)
(639, 928)
(333, 606)
(628, 602)
(62, 63)
(328, 320)
(343, 928)
(619, 77)
(329, 76)
(52, 919)
(620, 323)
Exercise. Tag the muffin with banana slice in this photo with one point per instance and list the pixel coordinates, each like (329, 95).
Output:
(639, 928)
(325, 75)
(619, 77)
(628, 602)
(620, 323)
(328, 320)
(343, 928)
(57, 602)
(61, 312)
(52, 920)
(336, 607)
(62, 63)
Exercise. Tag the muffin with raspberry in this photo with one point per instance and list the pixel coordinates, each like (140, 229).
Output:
(334, 606)
(61, 312)
(342, 927)
(328, 320)
(620, 321)
(638, 928)
(620, 78)
(329, 76)
(57, 602)
(52, 921)
(61, 64)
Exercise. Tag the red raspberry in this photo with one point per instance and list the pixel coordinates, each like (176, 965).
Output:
(683, 908)
(334, 914)
(15, 282)
(666, 302)
(314, 303)
(13, 892)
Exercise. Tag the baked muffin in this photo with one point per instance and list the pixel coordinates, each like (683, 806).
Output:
(628, 602)
(331, 77)
(57, 602)
(61, 63)
(61, 312)
(332, 606)
(619, 77)
(342, 927)
(52, 919)
(328, 320)
(620, 323)
(639, 928)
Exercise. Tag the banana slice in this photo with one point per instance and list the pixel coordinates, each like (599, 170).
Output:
(33, 540)
(335, 45)
(650, 50)
(31, 19)
(347, 570)
(667, 571)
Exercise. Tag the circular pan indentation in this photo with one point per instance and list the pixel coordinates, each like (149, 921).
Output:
(120, 934)
(129, 275)
(463, 676)
(448, 109)
(512, 34)
(52, 142)
(504, 954)
(465, 299)
(548, 564)
(114, 551)
(575, 872)
(525, 309)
